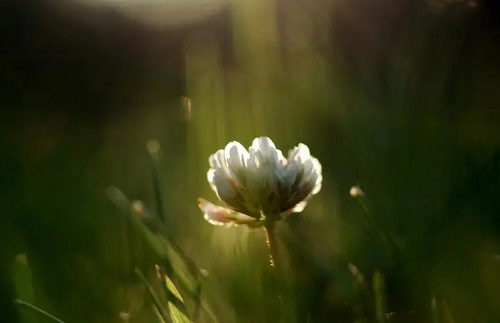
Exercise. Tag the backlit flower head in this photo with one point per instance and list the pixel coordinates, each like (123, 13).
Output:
(260, 184)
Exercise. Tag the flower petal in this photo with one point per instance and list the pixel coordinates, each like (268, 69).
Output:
(300, 153)
(236, 155)
(218, 215)
(299, 207)
(312, 177)
(217, 160)
(210, 178)
(291, 173)
(319, 179)
(222, 183)
(264, 145)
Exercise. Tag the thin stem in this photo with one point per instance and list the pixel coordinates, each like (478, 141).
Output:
(276, 263)
(377, 230)
(273, 245)
(37, 310)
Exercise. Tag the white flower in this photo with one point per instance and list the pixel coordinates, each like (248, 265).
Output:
(260, 184)
(356, 191)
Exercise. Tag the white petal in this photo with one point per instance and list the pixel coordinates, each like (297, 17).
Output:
(300, 153)
(311, 178)
(210, 178)
(299, 207)
(218, 215)
(236, 155)
(317, 185)
(281, 159)
(296, 209)
(308, 167)
(291, 173)
(319, 180)
(223, 185)
(253, 162)
(253, 179)
(264, 148)
(317, 165)
(263, 143)
(221, 160)
(213, 161)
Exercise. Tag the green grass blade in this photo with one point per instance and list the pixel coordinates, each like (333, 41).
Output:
(447, 313)
(35, 309)
(156, 299)
(155, 153)
(373, 226)
(434, 310)
(172, 259)
(178, 316)
(21, 276)
(379, 290)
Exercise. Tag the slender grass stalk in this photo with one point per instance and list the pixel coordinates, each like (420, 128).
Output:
(155, 153)
(379, 293)
(38, 310)
(374, 227)
(156, 300)
(434, 310)
(447, 313)
(365, 297)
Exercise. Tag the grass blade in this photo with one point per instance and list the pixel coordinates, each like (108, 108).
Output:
(35, 309)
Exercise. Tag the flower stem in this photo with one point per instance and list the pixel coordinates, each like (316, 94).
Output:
(270, 228)
(276, 263)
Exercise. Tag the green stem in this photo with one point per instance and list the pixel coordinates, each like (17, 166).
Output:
(276, 263)
(377, 231)
(27, 305)
(270, 228)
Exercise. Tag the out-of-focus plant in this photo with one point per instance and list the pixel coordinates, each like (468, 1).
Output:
(178, 278)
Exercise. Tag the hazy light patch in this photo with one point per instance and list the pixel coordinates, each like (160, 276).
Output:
(161, 13)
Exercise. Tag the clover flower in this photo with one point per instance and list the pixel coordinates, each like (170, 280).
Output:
(260, 185)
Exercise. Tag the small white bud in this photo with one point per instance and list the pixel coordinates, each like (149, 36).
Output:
(356, 191)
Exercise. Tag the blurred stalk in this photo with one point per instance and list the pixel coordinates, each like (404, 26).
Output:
(365, 295)
(447, 313)
(21, 275)
(171, 257)
(35, 309)
(156, 300)
(277, 264)
(375, 229)
(434, 310)
(379, 291)
(155, 153)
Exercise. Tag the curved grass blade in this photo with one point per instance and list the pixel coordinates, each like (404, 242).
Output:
(35, 309)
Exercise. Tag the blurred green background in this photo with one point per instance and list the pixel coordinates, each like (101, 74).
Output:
(398, 97)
